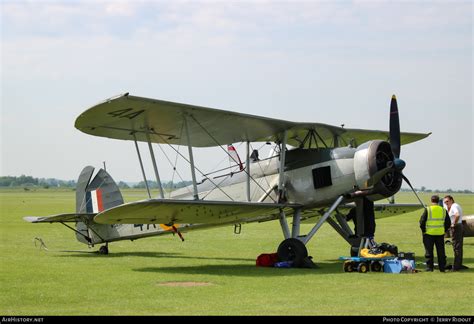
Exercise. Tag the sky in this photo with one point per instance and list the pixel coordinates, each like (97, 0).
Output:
(333, 62)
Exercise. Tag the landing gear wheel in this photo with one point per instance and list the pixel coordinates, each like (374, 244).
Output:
(362, 267)
(104, 250)
(375, 266)
(292, 250)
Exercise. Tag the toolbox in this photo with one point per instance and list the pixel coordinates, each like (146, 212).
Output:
(406, 255)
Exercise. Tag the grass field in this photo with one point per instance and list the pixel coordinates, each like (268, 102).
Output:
(70, 279)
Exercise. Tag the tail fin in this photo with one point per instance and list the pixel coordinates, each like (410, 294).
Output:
(93, 197)
(97, 195)
(82, 182)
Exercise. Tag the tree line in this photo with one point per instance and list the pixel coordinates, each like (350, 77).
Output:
(29, 181)
(449, 190)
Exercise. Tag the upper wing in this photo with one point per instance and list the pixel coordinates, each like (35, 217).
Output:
(171, 211)
(60, 218)
(125, 116)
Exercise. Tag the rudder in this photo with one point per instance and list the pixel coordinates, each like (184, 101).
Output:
(102, 193)
(93, 197)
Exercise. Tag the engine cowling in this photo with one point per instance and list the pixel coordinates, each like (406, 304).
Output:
(371, 157)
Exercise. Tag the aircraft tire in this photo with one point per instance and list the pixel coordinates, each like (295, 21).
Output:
(104, 250)
(294, 250)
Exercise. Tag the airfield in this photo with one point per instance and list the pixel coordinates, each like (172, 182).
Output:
(213, 271)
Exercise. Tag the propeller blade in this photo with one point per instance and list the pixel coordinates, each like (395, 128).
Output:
(394, 128)
(380, 174)
(408, 182)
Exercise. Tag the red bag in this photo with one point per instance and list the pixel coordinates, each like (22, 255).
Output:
(267, 259)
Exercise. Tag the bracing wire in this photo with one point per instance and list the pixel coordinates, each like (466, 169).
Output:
(218, 144)
(187, 160)
(175, 171)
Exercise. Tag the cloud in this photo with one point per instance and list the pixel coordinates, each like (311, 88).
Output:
(40, 18)
(120, 8)
(294, 60)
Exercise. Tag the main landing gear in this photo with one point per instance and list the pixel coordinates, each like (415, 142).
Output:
(293, 248)
(104, 249)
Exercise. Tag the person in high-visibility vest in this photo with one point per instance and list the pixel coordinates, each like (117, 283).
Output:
(434, 223)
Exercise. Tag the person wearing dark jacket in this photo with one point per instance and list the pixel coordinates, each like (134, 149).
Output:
(434, 223)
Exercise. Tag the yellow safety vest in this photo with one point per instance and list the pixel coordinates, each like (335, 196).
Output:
(435, 220)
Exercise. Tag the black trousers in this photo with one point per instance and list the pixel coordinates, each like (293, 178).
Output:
(429, 241)
(456, 233)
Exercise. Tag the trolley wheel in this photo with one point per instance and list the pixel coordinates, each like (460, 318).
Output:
(348, 266)
(375, 266)
(362, 267)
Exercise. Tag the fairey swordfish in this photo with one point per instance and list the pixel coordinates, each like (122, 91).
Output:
(318, 173)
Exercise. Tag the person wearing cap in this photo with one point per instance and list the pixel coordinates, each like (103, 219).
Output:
(455, 231)
(434, 222)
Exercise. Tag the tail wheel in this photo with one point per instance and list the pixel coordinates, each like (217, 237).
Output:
(292, 250)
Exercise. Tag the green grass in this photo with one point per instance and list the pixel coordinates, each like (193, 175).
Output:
(70, 279)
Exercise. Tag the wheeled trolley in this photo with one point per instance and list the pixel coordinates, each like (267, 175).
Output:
(363, 265)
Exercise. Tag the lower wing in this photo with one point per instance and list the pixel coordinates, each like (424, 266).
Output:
(380, 210)
(171, 211)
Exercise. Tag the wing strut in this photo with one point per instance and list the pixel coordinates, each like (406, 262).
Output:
(281, 189)
(295, 230)
(141, 165)
(195, 167)
(247, 166)
(191, 158)
(155, 168)
(322, 220)
(284, 224)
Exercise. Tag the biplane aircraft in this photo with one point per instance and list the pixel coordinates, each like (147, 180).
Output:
(317, 173)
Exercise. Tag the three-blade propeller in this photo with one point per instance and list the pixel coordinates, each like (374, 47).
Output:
(392, 168)
(398, 164)
(390, 165)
